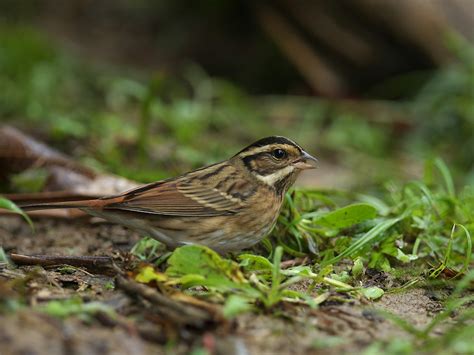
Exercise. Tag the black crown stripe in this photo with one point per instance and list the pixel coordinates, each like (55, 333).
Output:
(270, 140)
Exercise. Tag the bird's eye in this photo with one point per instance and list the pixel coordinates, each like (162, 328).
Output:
(279, 153)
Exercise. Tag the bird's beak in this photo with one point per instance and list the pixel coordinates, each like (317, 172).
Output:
(306, 161)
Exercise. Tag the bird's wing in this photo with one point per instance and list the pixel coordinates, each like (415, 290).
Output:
(194, 194)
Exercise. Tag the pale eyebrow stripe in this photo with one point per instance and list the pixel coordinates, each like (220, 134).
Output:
(263, 149)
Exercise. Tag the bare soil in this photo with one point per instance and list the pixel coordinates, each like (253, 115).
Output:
(335, 327)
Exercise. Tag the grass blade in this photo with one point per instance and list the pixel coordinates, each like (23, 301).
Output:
(10, 206)
(273, 297)
(467, 260)
(448, 180)
(367, 238)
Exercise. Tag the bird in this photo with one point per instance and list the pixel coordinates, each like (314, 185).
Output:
(227, 206)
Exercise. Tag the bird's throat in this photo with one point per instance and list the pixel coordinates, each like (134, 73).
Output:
(274, 177)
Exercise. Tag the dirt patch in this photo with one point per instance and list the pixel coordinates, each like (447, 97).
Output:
(334, 327)
(413, 305)
(72, 237)
(32, 333)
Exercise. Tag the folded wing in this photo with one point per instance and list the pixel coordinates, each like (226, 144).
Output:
(186, 196)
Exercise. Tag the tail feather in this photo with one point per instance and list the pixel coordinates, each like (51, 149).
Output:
(55, 205)
(93, 204)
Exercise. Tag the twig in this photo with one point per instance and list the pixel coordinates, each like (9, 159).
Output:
(95, 264)
(177, 312)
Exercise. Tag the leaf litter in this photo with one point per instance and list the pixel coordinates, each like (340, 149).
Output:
(327, 319)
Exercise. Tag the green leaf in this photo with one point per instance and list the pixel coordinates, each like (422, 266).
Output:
(390, 249)
(198, 265)
(382, 207)
(252, 262)
(148, 274)
(347, 216)
(9, 205)
(405, 258)
(372, 293)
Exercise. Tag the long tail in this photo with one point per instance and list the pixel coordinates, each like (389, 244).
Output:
(62, 204)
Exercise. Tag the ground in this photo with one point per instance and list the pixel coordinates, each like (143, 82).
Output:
(335, 327)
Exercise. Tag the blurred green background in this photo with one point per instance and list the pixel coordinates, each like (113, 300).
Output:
(149, 89)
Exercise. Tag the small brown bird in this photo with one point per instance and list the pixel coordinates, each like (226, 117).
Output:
(226, 206)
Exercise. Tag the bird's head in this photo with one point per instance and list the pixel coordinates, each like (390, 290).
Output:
(275, 161)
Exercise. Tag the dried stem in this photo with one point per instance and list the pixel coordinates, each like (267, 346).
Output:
(95, 264)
